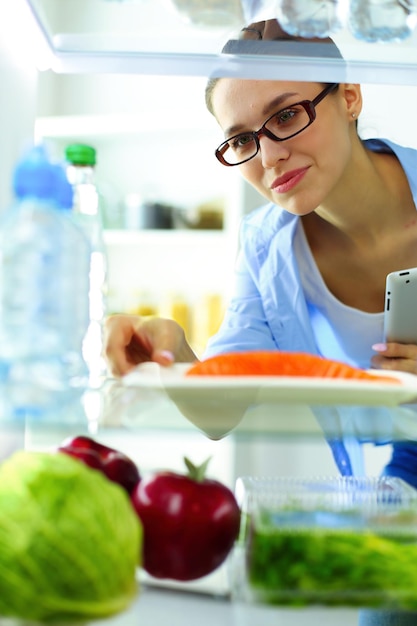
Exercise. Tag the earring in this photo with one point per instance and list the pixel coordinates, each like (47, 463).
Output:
(353, 115)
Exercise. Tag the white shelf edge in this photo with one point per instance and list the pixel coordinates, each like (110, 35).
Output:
(109, 125)
(377, 67)
(177, 237)
(288, 68)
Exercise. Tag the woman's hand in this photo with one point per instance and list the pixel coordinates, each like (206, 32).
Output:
(395, 356)
(130, 340)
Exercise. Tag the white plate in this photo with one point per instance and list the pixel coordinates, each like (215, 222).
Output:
(276, 389)
(217, 404)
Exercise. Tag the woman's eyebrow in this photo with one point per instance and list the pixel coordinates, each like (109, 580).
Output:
(278, 101)
(274, 104)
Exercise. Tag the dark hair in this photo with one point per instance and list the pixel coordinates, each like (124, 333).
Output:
(272, 40)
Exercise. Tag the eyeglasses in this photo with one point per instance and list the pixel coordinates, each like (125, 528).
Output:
(281, 126)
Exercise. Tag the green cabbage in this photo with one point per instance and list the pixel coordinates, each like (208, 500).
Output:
(70, 540)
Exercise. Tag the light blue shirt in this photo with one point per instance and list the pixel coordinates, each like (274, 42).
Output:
(268, 309)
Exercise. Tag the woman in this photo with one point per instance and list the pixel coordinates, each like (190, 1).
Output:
(341, 215)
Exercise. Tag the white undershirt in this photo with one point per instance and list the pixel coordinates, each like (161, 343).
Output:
(341, 332)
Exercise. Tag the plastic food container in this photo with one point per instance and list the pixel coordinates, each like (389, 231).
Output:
(333, 542)
(210, 12)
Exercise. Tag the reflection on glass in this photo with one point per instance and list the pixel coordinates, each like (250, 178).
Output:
(310, 18)
(382, 20)
(210, 12)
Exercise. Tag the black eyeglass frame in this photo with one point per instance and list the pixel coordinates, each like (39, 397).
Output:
(308, 105)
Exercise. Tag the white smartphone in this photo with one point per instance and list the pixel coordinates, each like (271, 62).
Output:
(400, 314)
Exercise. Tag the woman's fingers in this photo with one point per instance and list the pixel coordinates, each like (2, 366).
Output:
(130, 340)
(395, 356)
(122, 349)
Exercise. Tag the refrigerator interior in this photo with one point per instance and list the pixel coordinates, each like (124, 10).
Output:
(108, 99)
(79, 100)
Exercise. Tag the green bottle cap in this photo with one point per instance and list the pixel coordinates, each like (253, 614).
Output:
(80, 154)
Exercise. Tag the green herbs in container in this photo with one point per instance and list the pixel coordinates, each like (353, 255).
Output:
(333, 542)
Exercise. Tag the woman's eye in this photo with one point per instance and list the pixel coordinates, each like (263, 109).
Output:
(283, 117)
(288, 121)
(241, 142)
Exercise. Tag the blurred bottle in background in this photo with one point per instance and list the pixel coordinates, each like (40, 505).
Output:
(214, 13)
(81, 162)
(180, 311)
(44, 297)
(382, 20)
(208, 315)
(311, 18)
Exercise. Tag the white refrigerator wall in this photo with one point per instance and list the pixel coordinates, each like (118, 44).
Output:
(389, 112)
(18, 97)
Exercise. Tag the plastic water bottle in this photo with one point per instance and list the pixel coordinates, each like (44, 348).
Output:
(311, 18)
(81, 160)
(44, 304)
(382, 20)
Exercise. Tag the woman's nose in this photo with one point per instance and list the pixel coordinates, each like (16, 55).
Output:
(272, 151)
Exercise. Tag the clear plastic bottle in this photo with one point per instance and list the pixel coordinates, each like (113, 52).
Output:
(382, 20)
(44, 305)
(311, 18)
(81, 162)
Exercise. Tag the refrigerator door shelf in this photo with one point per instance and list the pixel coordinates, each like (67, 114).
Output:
(92, 36)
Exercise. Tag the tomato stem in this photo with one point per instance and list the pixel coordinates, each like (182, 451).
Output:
(197, 472)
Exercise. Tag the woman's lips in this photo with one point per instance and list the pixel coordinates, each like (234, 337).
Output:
(288, 181)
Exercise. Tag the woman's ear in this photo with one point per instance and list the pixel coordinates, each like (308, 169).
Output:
(352, 95)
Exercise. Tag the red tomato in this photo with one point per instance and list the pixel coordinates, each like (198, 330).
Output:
(189, 525)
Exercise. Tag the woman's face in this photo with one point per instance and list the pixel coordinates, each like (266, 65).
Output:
(303, 172)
